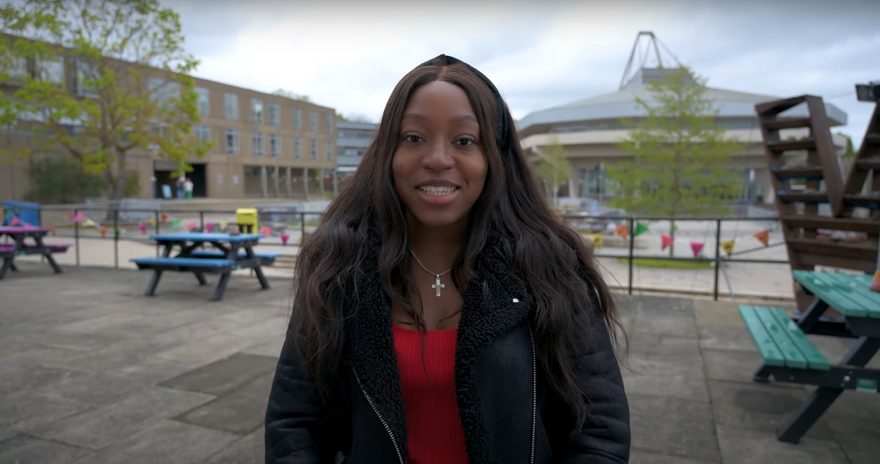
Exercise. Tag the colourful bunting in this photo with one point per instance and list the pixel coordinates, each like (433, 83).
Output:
(696, 247)
(284, 237)
(875, 284)
(209, 227)
(763, 236)
(89, 223)
(665, 241)
(116, 233)
(622, 230)
(641, 228)
(143, 227)
(596, 239)
(163, 217)
(152, 221)
(223, 225)
(77, 217)
(175, 223)
(728, 247)
(266, 231)
(191, 225)
(103, 231)
(15, 221)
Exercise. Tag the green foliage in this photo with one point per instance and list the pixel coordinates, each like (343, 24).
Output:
(125, 84)
(553, 166)
(62, 180)
(681, 159)
(292, 95)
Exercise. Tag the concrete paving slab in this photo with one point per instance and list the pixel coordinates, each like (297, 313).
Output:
(726, 338)
(247, 450)
(225, 375)
(673, 426)
(25, 411)
(747, 446)
(638, 456)
(730, 365)
(760, 407)
(22, 449)
(238, 411)
(165, 442)
(100, 427)
(859, 439)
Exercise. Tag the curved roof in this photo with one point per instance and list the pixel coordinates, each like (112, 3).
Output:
(622, 105)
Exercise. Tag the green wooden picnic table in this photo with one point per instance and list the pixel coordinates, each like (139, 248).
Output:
(789, 356)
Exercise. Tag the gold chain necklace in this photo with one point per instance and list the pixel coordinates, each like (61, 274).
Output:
(437, 284)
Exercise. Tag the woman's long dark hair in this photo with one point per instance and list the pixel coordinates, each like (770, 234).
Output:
(550, 257)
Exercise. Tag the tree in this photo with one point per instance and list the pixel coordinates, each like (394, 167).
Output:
(553, 167)
(104, 79)
(292, 96)
(680, 158)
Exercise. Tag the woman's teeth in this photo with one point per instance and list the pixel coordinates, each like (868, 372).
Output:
(437, 191)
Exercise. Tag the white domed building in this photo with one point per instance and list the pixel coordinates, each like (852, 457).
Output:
(591, 130)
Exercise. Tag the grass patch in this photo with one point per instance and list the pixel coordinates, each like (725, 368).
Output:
(667, 263)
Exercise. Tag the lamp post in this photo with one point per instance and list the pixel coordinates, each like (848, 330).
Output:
(869, 92)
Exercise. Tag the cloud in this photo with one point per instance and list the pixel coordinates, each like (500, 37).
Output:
(349, 55)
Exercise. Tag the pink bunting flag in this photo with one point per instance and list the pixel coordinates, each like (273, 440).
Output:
(665, 241)
(78, 217)
(763, 236)
(15, 221)
(266, 231)
(696, 247)
(284, 237)
(209, 227)
(103, 231)
(191, 225)
(142, 227)
(875, 284)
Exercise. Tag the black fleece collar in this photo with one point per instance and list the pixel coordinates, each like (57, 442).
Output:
(495, 302)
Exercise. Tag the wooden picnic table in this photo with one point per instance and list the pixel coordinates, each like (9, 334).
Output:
(789, 356)
(27, 240)
(183, 252)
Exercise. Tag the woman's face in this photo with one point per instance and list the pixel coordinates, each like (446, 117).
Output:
(439, 167)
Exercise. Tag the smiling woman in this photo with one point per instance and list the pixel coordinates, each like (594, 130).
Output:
(442, 313)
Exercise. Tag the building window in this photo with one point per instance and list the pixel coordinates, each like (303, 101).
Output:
(328, 123)
(257, 110)
(51, 71)
(313, 121)
(231, 103)
(314, 149)
(18, 66)
(297, 148)
(231, 141)
(162, 92)
(203, 133)
(86, 76)
(274, 145)
(329, 151)
(297, 118)
(204, 101)
(274, 113)
(257, 143)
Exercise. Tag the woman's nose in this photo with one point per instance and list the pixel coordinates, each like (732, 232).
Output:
(439, 157)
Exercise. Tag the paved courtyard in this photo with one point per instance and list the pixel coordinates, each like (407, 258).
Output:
(91, 371)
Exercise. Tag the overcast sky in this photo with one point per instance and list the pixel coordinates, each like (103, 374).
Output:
(349, 55)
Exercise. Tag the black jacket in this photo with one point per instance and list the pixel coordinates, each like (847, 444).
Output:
(509, 414)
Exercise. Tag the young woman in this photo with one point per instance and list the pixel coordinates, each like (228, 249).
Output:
(442, 313)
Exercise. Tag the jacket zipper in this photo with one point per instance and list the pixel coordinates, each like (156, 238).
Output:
(384, 423)
(534, 395)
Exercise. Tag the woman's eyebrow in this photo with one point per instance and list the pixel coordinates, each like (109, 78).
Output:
(422, 117)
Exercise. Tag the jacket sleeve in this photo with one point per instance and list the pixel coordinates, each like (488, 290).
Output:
(604, 437)
(296, 430)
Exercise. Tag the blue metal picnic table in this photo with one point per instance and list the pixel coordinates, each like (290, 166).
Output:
(27, 240)
(236, 252)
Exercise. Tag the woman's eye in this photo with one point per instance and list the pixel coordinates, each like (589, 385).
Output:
(412, 138)
(465, 141)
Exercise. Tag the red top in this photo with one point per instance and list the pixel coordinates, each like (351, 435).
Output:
(427, 381)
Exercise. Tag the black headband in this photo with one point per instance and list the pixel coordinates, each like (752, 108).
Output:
(502, 125)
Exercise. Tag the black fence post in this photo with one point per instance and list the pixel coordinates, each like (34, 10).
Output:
(302, 228)
(717, 256)
(157, 219)
(116, 238)
(632, 238)
(76, 233)
(202, 221)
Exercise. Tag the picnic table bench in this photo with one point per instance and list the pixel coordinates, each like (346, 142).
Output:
(27, 241)
(231, 252)
(789, 356)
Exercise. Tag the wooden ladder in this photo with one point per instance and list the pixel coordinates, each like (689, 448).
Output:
(862, 187)
(816, 210)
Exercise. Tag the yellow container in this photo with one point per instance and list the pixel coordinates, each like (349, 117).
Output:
(246, 218)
